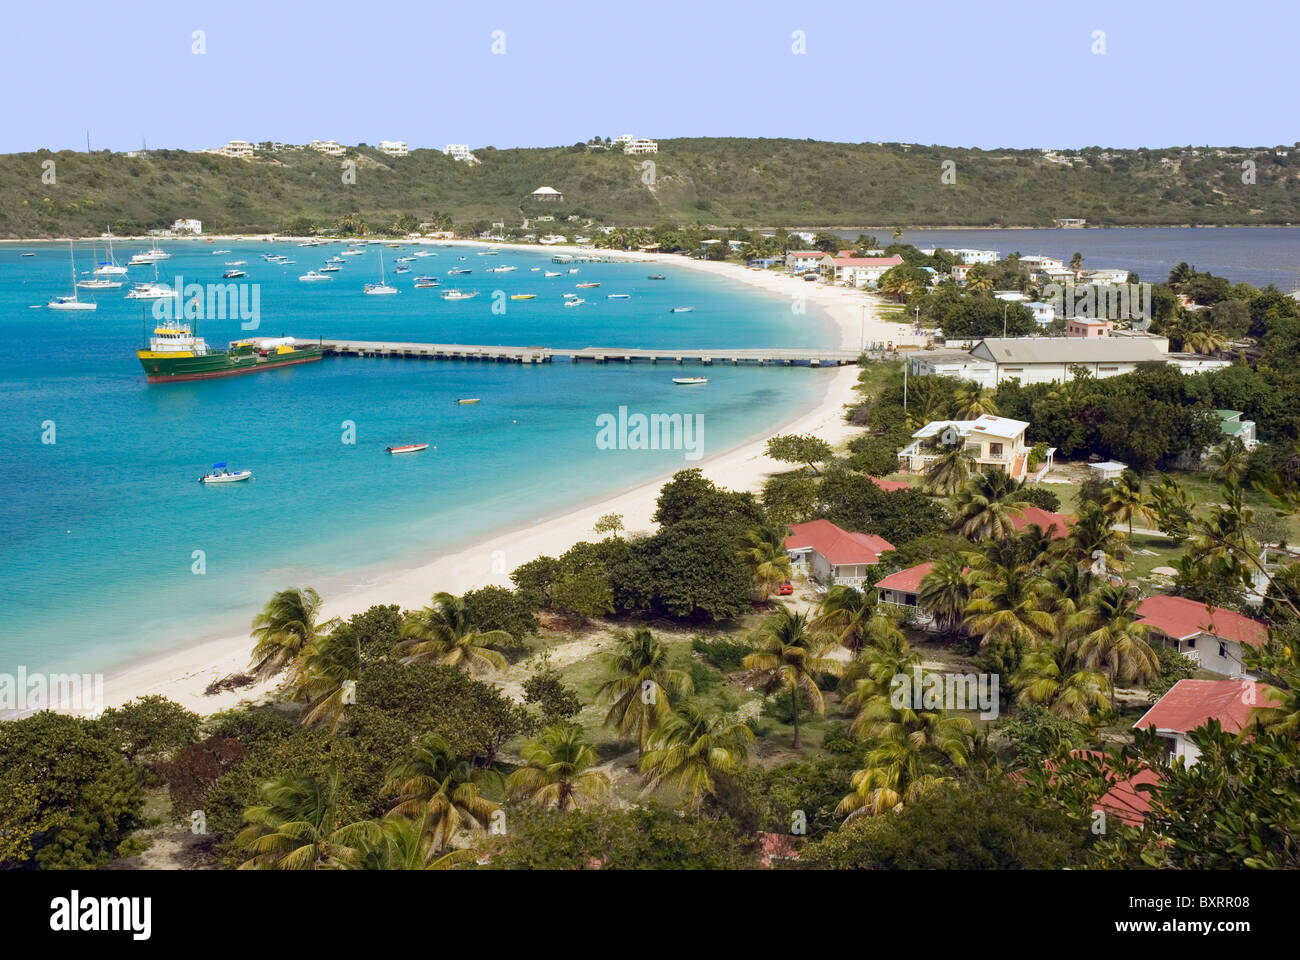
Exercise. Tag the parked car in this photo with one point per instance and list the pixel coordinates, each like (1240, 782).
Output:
(786, 589)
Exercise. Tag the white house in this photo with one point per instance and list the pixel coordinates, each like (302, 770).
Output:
(989, 441)
(1231, 425)
(394, 148)
(240, 149)
(805, 261)
(823, 552)
(547, 193)
(458, 151)
(1193, 703)
(966, 255)
(187, 226)
(1108, 276)
(959, 271)
(637, 145)
(330, 148)
(1037, 263)
(1044, 313)
(1053, 359)
(861, 271)
(1212, 636)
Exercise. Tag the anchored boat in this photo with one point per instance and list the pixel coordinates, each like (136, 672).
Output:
(408, 448)
(689, 381)
(220, 474)
(175, 354)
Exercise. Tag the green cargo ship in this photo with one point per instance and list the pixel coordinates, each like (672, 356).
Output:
(175, 354)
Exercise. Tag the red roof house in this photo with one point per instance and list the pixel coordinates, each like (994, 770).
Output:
(1056, 524)
(821, 550)
(1192, 703)
(902, 587)
(1212, 636)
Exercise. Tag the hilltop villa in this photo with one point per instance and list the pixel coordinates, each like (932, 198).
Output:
(990, 441)
(547, 193)
(823, 552)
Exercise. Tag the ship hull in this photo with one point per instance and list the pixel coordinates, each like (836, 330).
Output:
(159, 369)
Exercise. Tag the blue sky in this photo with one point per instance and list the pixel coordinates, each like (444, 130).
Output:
(982, 74)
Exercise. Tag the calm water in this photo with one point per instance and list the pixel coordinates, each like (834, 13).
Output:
(1256, 255)
(98, 530)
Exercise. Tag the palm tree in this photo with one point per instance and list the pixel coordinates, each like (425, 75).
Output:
(945, 591)
(399, 843)
(846, 612)
(691, 748)
(979, 282)
(285, 628)
(987, 505)
(792, 653)
(1125, 501)
(1009, 607)
(641, 691)
(1094, 543)
(1204, 340)
(295, 827)
(949, 472)
(558, 771)
(1229, 461)
(1050, 678)
(442, 633)
(1076, 261)
(911, 756)
(767, 557)
(436, 787)
(971, 401)
(326, 679)
(1117, 643)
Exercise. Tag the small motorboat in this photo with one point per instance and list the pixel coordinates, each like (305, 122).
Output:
(501, 269)
(29, 254)
(467, 400)
(523, 296)
(459, 295)
(657, 276)
(407, 448)
(574, 302)
(530, 269)
(551, 273)
(689, 381)
(312, 276)
(330, 268)
(618, 296)
(457, 271)
(681, 309)
(236, 263)
(586, 286)
(233, 274)
(220, 474)
(402, 269)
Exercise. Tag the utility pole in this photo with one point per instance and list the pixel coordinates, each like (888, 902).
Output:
(905, 366)
(1004, 317)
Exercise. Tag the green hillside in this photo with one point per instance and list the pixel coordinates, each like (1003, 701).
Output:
(725, 182)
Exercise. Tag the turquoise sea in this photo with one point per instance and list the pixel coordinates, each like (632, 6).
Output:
(98, 530)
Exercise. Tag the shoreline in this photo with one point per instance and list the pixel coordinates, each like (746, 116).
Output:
(183, 673)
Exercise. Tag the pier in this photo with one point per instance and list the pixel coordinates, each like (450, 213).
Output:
(809, 357)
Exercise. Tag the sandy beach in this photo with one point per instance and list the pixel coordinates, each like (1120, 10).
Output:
(185, 673)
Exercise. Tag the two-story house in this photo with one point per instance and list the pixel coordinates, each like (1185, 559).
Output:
(989, 441)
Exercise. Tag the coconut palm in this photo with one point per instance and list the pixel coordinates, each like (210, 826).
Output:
(792, 653)
(400, 843)
(692, 748)
(1051, 679)
(1117, 643)
(1204, 340)
(764, 551)
(913, 754)
(1229, 461)
(286, 627)
(979, 282)
(949, 472)
(1010, 607)
(970, 401)
(846, 612)
(1125, 501)
(559, 771)
(436, 787)
(945, 591)
(641, 692)
(442, 633)
(987, 506)
(1095, 544)
(327, 676)
(295, 827)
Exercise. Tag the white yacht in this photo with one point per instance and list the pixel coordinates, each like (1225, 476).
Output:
(152, 255)
(150, 290)
(313, 276)
(71, 303)
(381, 288)
(110, 267)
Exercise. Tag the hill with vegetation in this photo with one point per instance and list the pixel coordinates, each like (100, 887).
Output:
(725, 182)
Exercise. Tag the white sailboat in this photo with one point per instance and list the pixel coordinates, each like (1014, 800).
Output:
(98, 281)
(381, 288)
(110, 267)
(71, 303)
(150, 290)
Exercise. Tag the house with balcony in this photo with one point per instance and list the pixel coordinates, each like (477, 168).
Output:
(394, 148)
(331, 148)
(808, 261)
(1193, 703)
(829, 555)
(1212, 637)
(861, 271)
(989, 441)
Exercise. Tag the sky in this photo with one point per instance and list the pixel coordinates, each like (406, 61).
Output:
(521, 74)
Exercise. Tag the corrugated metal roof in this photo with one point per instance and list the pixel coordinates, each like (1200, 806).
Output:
(1068, 350)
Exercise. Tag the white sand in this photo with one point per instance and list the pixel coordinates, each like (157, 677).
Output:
(184, 674)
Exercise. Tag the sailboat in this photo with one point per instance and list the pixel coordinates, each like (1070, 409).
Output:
(152, 255)
(110, 267)
(100, 281)
(150, 290)
(71, 303)
(381, 288)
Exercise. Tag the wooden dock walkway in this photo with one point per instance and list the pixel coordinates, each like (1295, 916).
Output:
(507, 354)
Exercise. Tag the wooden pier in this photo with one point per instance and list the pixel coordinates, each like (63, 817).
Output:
(774, 357)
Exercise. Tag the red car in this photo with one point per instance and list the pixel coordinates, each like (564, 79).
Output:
(787, 589)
